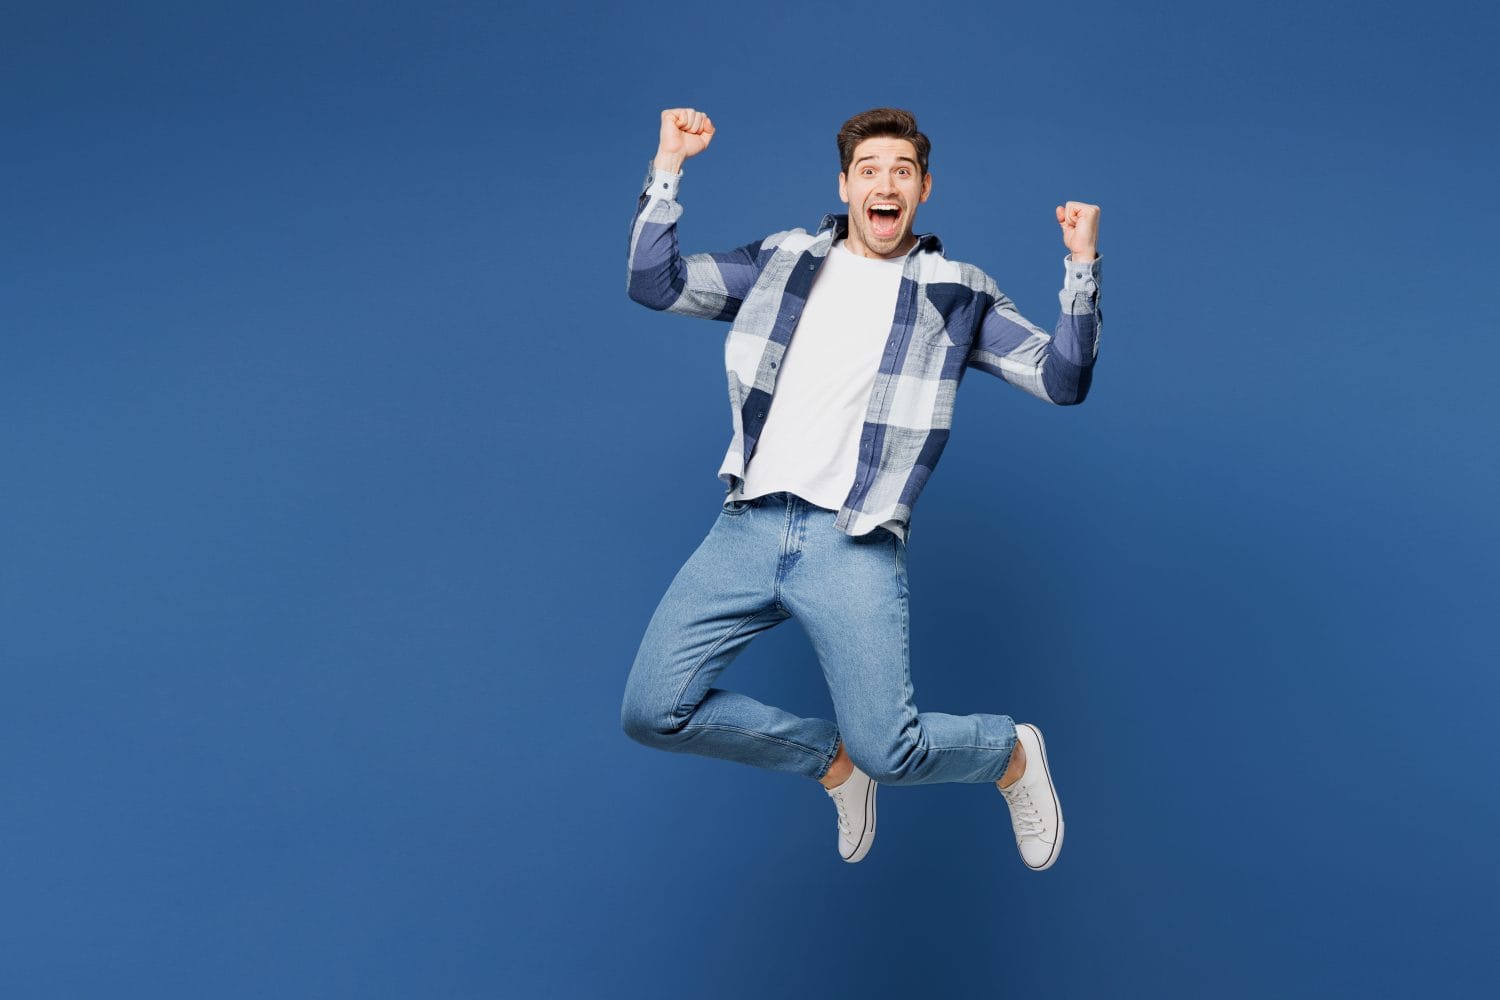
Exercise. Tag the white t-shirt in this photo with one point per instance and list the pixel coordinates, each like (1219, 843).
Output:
(810, 442)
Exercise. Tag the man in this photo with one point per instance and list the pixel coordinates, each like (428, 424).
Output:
(860, 333)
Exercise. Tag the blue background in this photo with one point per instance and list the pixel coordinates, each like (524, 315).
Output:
(340, 479)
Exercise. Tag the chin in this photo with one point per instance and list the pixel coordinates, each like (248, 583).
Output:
(877, 245)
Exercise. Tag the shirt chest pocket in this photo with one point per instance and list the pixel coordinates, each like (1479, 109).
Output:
(945, 315)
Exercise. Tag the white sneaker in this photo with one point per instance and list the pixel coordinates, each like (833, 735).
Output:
(1035, 813)
(855, 800)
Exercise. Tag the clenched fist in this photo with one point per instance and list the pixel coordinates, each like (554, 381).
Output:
(684, 133)
(1080, 228)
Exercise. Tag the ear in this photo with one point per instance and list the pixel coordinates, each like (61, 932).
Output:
(926, 185)
(843, 188)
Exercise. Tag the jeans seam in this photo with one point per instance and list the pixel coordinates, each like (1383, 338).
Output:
(901, 596)
(760, 736)
(698, 667)
(959, 746)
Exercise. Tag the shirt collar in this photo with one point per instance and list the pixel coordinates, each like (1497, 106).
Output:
(836, 227)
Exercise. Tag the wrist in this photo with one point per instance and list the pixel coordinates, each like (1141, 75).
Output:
(669, 162)
(1086, 257)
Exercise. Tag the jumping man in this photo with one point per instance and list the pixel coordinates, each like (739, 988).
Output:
(859, 333)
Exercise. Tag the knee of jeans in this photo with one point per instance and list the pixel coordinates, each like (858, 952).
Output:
(643, 723)
(888, 763)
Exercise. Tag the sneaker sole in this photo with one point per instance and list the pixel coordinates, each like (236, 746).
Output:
(1056, 802)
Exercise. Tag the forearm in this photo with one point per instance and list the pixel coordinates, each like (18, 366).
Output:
(656, 270)
(706, 285)
(1075, 339)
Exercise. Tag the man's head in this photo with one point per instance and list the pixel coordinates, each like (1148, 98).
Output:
(883, 180)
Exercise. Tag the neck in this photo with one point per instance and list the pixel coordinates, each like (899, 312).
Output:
(856, 245)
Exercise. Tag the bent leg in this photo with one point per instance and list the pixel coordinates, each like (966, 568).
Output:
(851, 596)
(720, 599)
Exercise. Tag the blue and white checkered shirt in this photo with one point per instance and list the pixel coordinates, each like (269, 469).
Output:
(949, 317)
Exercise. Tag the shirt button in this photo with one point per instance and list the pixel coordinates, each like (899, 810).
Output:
(773, 364)
(761, 414)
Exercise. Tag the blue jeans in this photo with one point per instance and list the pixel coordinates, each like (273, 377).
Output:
(769, 559)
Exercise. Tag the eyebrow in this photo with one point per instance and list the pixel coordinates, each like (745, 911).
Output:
(871, 156)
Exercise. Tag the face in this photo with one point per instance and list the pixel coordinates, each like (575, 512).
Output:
(883, 188)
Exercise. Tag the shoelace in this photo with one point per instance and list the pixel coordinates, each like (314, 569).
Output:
(838, 801)
(1024, 815)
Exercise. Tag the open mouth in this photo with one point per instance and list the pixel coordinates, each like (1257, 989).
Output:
(885, 219)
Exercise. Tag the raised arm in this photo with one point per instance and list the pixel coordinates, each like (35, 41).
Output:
(1059, 367)
(707, 285)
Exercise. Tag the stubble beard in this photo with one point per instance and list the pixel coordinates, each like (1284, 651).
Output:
(882, 247)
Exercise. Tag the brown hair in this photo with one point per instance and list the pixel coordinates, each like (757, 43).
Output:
(884, 123)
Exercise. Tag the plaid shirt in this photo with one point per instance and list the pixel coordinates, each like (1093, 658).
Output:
(949, 317)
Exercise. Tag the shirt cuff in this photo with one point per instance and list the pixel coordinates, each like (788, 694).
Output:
(662, 183)
(1081, 276)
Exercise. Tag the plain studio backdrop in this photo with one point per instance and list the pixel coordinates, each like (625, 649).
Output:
(339, 479)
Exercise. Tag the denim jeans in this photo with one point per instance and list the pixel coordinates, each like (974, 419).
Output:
(777, 557)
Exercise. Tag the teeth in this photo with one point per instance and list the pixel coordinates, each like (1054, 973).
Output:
(884, 204)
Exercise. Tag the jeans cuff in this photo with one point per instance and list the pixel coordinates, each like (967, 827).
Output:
(833, 753)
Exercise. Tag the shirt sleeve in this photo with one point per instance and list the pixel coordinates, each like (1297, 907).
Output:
(1056, 367)
(706, 285)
